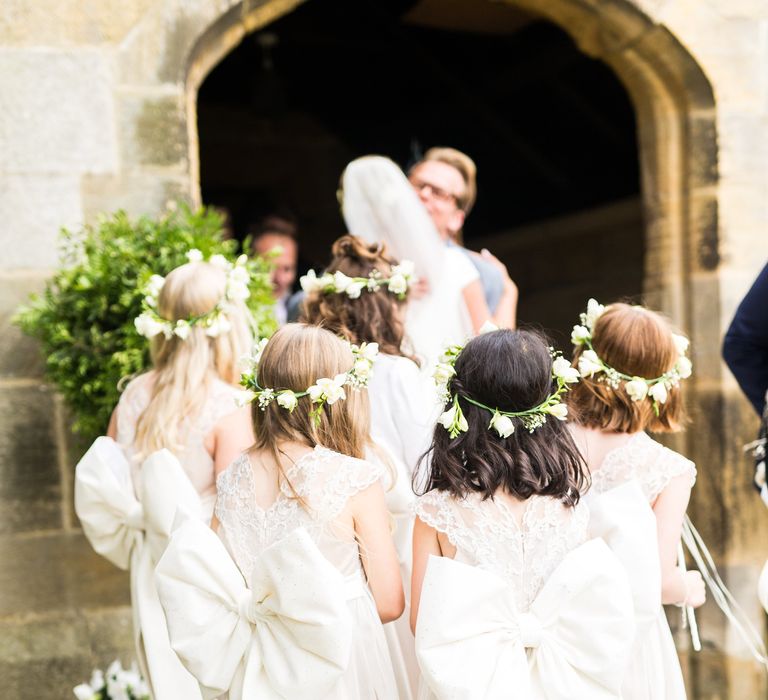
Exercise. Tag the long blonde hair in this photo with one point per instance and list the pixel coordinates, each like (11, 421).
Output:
(295, 358)
(185, 369)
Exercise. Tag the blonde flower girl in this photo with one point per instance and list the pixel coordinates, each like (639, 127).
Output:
(403, 401)
(305, 522)
(632, 364)
(509, 597)
(177, 425)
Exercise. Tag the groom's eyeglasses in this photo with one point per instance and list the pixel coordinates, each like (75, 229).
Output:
(436, 192)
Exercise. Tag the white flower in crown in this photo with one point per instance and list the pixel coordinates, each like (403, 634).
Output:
(341, 281)
(558, 410)
(443, 372)
(287, 399)
(182, 329)
(194, 255)
(237, 290)
(453, 420)
(681, 343)
(148, 326)
(310, 282)
(328, 390)
(562, 369)
(244, 396)
(362, 369)
(154, 285)
(398, 284)
(488, 327)
(658, 392)
(369, 351)
(683, 367)
(219, 261)
(580, 335)
(97, 679)
(355, 289)
(637, 388)
(594, 311)
(589, 363)
(503, 425)
(217, 325)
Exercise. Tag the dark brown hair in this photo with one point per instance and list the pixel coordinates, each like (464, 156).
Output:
(510, 370)
(638, 342)
(374, 317)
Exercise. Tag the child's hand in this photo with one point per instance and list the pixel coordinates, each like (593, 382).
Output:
(697, 591)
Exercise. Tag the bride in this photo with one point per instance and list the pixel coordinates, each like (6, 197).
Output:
(380, 204)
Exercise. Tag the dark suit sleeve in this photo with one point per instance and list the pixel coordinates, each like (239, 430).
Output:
(745, 348)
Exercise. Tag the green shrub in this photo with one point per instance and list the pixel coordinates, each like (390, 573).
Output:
(84, 318)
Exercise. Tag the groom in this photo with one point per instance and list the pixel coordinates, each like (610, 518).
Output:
(445, 180)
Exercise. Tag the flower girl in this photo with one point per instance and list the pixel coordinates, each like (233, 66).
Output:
(297, 512)
(362, 297)
(508, 596)
(632, 364)
(177, 425)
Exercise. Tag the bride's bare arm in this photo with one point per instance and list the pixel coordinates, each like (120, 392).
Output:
(506, 311)
(377, 551)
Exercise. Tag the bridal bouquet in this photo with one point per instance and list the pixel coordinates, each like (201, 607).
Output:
(117, 684)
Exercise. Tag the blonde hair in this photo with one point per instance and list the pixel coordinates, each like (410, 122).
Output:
(184, 369)
(467, 169)
(639, 342)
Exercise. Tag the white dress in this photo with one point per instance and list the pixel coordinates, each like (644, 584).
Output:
(403, 410)
(325, 480)
(160, 666)
(527, 609)
(196, 460)
(654, 673)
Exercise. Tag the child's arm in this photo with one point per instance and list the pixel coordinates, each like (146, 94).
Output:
(425, 542)
(669, 508)
(231, 436)
(377, 551)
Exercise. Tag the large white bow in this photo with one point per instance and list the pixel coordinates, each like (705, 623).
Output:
(113, 519)
(111, 516)
(288, 636)
(623, 519)
(574, 642)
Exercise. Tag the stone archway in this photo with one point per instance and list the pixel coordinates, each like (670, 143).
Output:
(677, 134)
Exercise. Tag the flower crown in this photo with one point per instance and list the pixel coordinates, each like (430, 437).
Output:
(323, 391)
(149, 323)
(638, 388)
(502, 422)
(338, 283)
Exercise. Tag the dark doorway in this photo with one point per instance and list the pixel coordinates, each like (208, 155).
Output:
(551, 130)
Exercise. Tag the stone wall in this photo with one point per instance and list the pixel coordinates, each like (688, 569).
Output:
(97, 112)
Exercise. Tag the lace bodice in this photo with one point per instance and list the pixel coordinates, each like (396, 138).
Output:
(323, 479)
(646, 461)
(486, 534)
(195, 459)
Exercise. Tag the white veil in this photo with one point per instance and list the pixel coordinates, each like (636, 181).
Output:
(380, 205)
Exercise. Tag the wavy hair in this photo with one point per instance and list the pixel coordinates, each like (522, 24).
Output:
(374, 317)
(184, 369)
(636, 341)
(510, 370)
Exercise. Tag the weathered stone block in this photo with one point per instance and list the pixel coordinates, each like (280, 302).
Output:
(33, 208)
(30, 492)
(153, 130)
(74, 575)
(56, 111)
(19, 354)
(139, 193)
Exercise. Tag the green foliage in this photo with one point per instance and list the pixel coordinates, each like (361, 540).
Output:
(84, 318)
